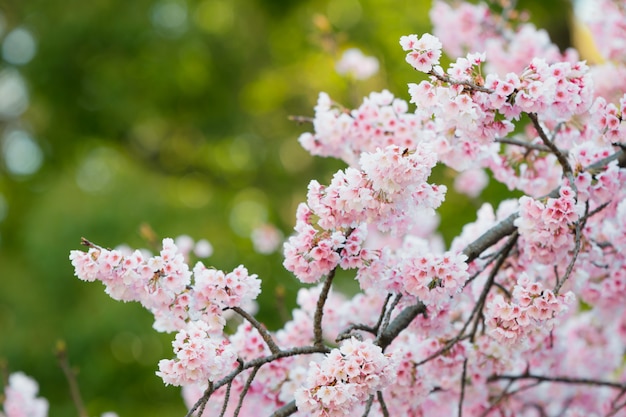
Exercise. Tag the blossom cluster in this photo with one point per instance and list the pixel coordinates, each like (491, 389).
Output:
(424, 51)
(381, 120)
(345, 379)
(545, 228)
(201, 355)
(433, 278)
(388, 191)
(190, 302)
(21, 398)
(163, 284)
(534, 309)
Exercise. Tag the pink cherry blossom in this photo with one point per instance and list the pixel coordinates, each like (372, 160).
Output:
(21, 397)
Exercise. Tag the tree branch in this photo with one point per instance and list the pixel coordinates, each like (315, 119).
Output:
(286, 410)
(267, 337)
(559, 379)
(319, 310)
(567, 168)
(70, 375)
(527, 145)
(400, 323)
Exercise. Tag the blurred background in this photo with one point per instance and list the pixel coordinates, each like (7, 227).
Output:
(129, 121)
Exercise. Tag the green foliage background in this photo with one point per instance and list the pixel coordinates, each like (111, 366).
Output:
(183, 127)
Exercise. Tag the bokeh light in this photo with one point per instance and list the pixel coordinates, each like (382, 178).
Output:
(22, 155)
(19, 46)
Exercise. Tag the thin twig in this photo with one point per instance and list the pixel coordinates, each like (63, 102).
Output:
(245, 390)
(527, 145)
(89, 244)
(462, 395)
(488, 261)
(559, 379)
(267, 338)
(226, 399)
(570, 266)
(382, 313)
(499, 398)
(616, 407)
(491, 279)
(580, 225)
(345, 334)
(368, 406)
(387, 315)
(70, 375)
(449, 80)
(202, 402)
(301, 119)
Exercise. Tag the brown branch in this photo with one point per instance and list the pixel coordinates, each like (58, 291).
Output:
(267, 337)
(319, 310)
(70, 375)
(580, 225)
(387, 314)
(226, 399)
(381, 402)
(567, 169)
(245, 390)
(400, 323)
(286, 410)
(558, 379)
(368, 406)
(462, 395)
(347, 333)
(527, 145)
(490, 237)
(301, 119)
